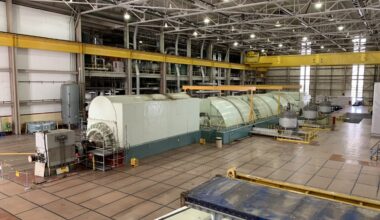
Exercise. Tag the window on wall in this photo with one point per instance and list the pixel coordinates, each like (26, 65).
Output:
(305, 70)
(357, 82)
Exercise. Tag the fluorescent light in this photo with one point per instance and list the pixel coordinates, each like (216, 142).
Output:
(280, 45)
(278, 24)
(236, 44)
(166, 25)
(322, 47)
(252, 36)
(318, 5)
(195, 33)
(304, 39)
(340, 28)
(206, 20)
(127, 16)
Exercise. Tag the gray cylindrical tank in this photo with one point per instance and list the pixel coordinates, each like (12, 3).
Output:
(310, 111)
(70, 103)
(325, 107)
(288, 120)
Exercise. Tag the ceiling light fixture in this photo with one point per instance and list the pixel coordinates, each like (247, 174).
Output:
(340, 28)
(166, 25)
(322, 47)
(278, 24)
(318, 5)
(195, 33)
(127, 16)
(280, 45)
(252, 36)
(232, 28)
(206, 20)
(140, 42)
(236, 44)
(304, 39)
(262, 51)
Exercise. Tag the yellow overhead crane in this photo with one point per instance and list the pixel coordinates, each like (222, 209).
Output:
(253, 60)
(40, 43)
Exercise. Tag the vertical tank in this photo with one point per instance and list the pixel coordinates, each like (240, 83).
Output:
(325, 107)
(288, 118)
(70, 103)
(310, 111)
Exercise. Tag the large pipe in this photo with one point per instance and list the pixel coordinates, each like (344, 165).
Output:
(136, 64)
(177, 67)
(202, 68)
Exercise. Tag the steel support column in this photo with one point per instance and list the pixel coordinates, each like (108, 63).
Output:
(127, 64)
(189, 67)
(203, 72)
(177, 70)
(137, 70)
(13, 73)
(163, 65)
(211, 70)
(80, 67)
(242, 72)
(315, 82)
(228, 71)
(345, 80)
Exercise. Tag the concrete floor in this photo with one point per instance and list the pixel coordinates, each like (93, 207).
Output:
(338, 162)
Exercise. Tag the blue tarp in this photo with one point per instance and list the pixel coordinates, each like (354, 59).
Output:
(252, 201)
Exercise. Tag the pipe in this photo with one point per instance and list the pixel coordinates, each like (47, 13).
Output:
(177, 67)
(137, 70)
(202, 68)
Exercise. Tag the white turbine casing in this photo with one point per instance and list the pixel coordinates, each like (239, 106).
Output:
(232, 111)
(134, 120)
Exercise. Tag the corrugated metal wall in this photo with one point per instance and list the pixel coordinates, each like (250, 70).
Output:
(40, 73)
(327, 80)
